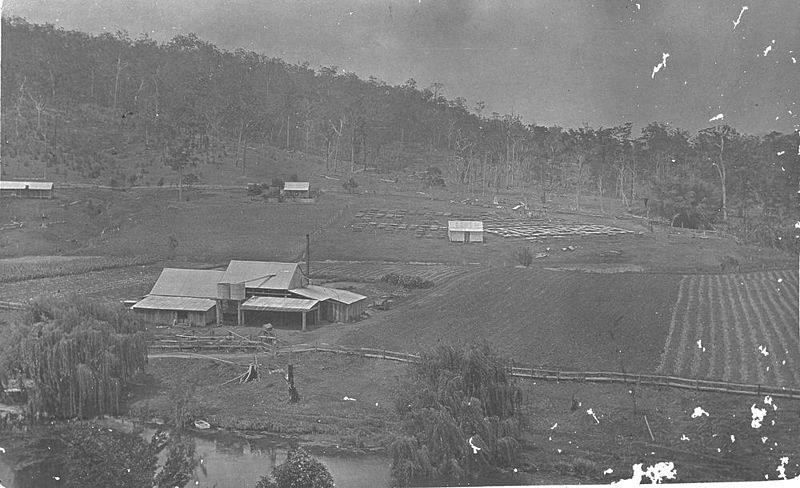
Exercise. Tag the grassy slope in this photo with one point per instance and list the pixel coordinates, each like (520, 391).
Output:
(567, 319)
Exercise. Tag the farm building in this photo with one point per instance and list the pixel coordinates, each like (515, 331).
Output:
(246, 293)
(26, 189)
(336, 305)
(297, 189)
(465, 231)
(185, 296)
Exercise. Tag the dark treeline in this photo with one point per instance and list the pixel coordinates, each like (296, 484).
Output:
(191, 101)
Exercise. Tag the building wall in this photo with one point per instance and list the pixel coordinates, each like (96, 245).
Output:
(27, 193)
(166, 317)
(279, 319)
(341, 312)
(455, 235)
(476, 237)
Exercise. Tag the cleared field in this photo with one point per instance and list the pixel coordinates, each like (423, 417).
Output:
(115, 284)
(740, 328)
(32, 267)
(370, 272)
(564, 319)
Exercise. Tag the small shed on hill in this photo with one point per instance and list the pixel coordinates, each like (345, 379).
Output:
(465, 231)
(297, 189)
(26, 189)
(335, 305)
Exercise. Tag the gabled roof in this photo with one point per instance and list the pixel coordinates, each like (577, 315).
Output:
(296, 186)
(188, 304)
(260, 274)
(465, 225)
(22, 185)
(197, 283)
(321, 293)
(278, 304)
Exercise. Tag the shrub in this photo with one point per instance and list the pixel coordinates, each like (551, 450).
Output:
(524, 255)
(406, 281)
(300, 470)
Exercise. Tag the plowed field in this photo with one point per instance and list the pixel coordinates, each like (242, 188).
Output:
(740, 328)
(567, 319)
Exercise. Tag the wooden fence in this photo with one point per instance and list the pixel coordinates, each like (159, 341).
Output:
(580, 376)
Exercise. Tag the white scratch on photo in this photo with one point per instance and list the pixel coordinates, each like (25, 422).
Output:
(662, 64)
(739, 19)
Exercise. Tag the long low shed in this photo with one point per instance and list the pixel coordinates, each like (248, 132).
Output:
(26, 189)
(168, 310)
(275, 309)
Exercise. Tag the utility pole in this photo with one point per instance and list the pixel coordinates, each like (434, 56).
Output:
(308, 257)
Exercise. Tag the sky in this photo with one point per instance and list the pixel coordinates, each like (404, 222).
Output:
(553, 62)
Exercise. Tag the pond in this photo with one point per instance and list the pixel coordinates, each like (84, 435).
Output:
(228, 460)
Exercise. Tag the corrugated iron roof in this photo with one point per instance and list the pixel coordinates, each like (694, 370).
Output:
(260, 274)
(278, 304)
(189, 304)
(296, 186)
(22, 185)
(321, 293)
(197, 283)
(465, 225)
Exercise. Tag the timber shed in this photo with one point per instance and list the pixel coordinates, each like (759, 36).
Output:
(184, 296)
(26, 189)
(335, 305)
(465, 231)
(297, 189)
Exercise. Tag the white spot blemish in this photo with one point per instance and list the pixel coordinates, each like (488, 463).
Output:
(717, 117)
(733, 439)
(2, 450)
(782, 468)
(591, 412)
(758, 416)
(739, 19)
(608, 471)
(657, 473)
(698, 411)
(764, 440)
(662, 64)
(559, 451)
(348, 399)
(684, 438)
(763, 350)
(56, 478)
(475, 448)
(700, 341)
(769, 48)
(554, 426)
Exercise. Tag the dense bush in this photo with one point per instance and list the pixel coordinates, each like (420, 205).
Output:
(406, 281)
(461, 418)
(300, 470)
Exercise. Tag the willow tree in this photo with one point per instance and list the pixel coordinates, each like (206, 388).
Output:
(79, 354)
(461, 416)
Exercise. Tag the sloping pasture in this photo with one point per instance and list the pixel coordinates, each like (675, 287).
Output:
(566, 319)
(741, 328)
(373, 271)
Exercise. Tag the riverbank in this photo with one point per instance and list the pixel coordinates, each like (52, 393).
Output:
(347, 403)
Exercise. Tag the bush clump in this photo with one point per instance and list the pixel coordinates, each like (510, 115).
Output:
(406, 281)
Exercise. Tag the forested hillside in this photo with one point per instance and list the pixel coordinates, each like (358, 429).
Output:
(112, 107)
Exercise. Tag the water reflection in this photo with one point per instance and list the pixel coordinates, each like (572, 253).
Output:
(227, 459)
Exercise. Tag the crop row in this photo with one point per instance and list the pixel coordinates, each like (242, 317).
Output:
(739, 327)
(14, 270)
(373, 272)
(112, 283)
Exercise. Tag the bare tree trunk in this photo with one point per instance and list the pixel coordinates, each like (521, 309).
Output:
(116, 81)
(244, 158)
